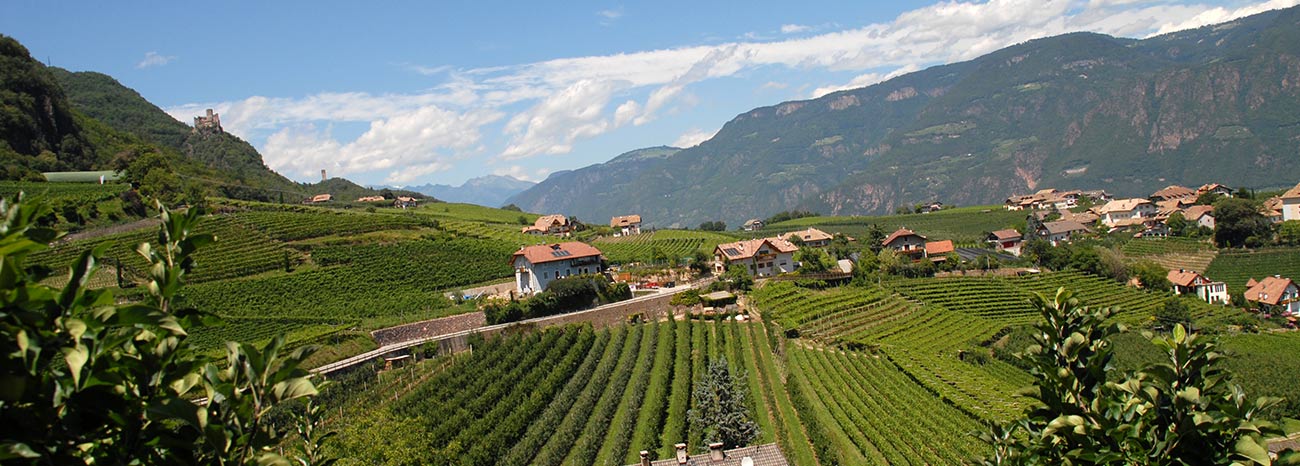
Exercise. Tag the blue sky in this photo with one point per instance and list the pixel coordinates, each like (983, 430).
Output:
(414, 92)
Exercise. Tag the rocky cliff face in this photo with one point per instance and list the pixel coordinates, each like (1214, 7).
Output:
(1074, 111)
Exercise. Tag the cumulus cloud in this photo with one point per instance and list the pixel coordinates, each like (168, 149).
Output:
(609, 16)
(152, 59)
(693, 137)
(408, 145)
(552, 126)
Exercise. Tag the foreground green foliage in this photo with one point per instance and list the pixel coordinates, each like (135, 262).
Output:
(1185, 410)
(88, 381)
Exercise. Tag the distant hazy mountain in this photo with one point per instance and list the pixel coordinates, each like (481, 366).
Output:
(490, 190)
(1219, 103)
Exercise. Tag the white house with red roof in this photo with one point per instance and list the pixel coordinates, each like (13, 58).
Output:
(1275, 291)
(1192, 283)
(810, 237)
(905, 242)
(761, 257)
(556, 224)
(1291, 204)
(1008, 240)
(537, 266)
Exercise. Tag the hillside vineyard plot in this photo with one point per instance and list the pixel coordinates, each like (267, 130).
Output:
(575, 396)
(673, 244)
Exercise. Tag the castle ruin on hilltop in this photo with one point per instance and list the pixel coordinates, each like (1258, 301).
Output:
(209, 123)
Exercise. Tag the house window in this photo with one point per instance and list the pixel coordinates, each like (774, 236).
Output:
(546, 275)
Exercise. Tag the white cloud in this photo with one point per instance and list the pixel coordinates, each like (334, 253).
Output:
(552, 126)
(864, 80)
(626, 112)
(409, 145)
(521, 173)
(693, 137)
(1220, 15)
(609, 16)
(152, 59)
(793, 28)
(774, 85)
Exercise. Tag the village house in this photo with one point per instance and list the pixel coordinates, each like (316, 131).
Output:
(626, 224)
(810, 237)
(405, 202)
(1275, 291)
(938, 251)
(557, 225)
(934, 207)
(1174, 192)
(905, 242)
(370, 199)
(761, 257)
(1214, 188)
(537, 266)
(1201, 215)
(1191, 283)
(758, 455)
(1272, 209)
(1062, 231)
(1006, 240)
(1291, 204)
(1120, 209)
(1097, 195)
(319, 199)
(752, 224)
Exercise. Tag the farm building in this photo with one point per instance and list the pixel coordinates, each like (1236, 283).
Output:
(1201, 215)
(370, 199)
(626, 224)
(1121, 209)
(811, 237)
(938, 250)
(1291, 204)
(557, 225)
(1174, 192)
(319, 199)
(753, 224)
(1214, 188)
(1061, 232)
(761, 257)
(1006, 240)
(905, 242)
(536, 266)
(758, 455)
(1191, 283)
(1274, 291)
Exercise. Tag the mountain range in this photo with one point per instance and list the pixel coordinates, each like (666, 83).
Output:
(1220, 103)
(489, 190)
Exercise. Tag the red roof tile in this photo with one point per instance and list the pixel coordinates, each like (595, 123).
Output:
(554, 252)
(1270, 290)
(900, 233)
(939, 248)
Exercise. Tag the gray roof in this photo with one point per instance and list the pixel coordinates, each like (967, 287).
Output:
(763, 455)
(1063, 226)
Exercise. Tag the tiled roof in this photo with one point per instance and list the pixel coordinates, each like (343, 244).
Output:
(1122, 205)
(761, 455)
(1183, 277)
(811, 234)
(624, 220)
(901, 232)
(1195, 212)
(748, 248)
(1174, 192)
(1003, 235)
(1063, 226)
(546, 221)
(1293, 193)
(939, 248)
(1270, 290)
(543, 253)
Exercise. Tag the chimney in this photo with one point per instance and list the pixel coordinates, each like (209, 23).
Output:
(681, 453)
(645, 458)
(322, 174)
(715, 452)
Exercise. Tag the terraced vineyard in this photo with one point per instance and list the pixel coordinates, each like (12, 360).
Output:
(572, 396)
(674, 244)
(470, 212)
(1173, 253)
(1236, 267)
(964, 225)
(380, 281)
(239, 251)
(500, 233)
(293, 226)
(861, 409)
(60, 193)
